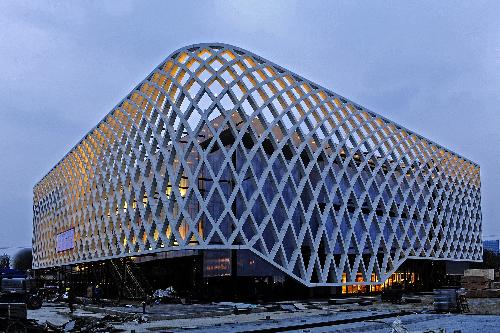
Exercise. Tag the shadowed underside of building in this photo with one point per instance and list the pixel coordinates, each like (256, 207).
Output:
(250, 170)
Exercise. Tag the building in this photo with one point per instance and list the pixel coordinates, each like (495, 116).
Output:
(224, 156)
(492, 245)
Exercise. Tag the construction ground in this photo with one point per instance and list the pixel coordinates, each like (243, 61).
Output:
(416, 313)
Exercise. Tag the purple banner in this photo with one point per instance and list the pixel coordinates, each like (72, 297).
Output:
(65, 240)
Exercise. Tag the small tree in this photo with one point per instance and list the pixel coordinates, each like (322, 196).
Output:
(4, 261)
(23, 260)
(490, 260)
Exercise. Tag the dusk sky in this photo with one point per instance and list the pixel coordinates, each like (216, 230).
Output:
(431, 66)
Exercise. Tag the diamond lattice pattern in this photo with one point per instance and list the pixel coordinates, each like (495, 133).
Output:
(219, 148)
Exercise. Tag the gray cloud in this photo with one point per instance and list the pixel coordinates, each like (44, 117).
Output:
(434, 67)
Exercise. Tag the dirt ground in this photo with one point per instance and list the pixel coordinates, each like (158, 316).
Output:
(221, 317)
(486, 306)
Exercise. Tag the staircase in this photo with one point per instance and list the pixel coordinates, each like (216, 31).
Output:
(130, 279)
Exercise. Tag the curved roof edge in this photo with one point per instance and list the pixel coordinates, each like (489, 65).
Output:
(217, 44)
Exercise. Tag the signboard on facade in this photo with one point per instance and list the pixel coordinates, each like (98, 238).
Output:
(65, 240)
(216, 263)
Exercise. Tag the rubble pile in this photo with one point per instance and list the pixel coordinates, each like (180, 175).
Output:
(475, 282)
(93, 324)
(166, 296)
(87, 324)
(480, 283)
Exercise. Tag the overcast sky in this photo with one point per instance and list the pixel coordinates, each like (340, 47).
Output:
(432, 66)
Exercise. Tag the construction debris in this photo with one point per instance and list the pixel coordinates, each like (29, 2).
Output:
(93, 324)
(474, 282)
(299, 306)
(398, 327)
(488, 274)
(288, 307)
(217, 317)
(462, 303)
(13, 318)
(87, 324)
(166, 296)
(238, 308)
(484, 293)
(13, 310)
(480, 283)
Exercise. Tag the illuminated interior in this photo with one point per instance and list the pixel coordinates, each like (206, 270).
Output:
(219, 148)
(406, 279)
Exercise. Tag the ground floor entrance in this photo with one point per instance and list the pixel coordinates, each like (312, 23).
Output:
(223, 275)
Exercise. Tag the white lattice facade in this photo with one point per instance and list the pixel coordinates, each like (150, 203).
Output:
(219, 148)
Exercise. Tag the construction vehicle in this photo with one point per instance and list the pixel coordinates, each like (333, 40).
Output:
(18, 287)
